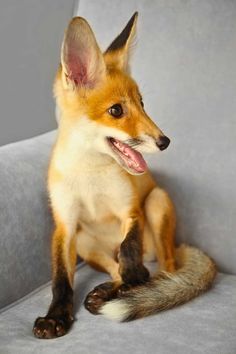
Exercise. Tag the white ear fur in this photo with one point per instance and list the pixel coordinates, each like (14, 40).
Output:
(82, 61)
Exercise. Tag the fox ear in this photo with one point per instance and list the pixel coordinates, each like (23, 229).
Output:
(118, 53)
(82, 61)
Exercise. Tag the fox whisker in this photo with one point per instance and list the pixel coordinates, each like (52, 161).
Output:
(134, 142)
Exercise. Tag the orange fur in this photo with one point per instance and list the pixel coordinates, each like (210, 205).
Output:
(117, 86)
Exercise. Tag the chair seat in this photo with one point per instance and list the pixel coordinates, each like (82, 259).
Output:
(205, 325)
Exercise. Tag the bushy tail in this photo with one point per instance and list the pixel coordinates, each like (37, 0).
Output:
(196, 272)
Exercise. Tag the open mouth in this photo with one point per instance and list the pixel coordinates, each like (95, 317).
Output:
(129, 158)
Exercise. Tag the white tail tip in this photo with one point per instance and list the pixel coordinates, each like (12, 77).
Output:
(116, 310)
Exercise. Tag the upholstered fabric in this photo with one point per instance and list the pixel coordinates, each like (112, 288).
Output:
(205, 325)
(185, 63)
(24, 217)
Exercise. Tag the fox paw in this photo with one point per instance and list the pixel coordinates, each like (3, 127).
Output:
(98, 296)
(50, 327)
(123, 290)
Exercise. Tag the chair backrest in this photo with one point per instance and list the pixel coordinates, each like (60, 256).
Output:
(185, 63)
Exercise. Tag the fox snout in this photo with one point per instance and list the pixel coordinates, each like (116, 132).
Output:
(163, 142)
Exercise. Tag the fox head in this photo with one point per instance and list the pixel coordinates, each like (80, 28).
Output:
(100, 105)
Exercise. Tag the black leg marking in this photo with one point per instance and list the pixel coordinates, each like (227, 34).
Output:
(59, 318)
(132, 269)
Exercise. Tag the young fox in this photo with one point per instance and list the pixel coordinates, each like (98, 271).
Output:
(107, 207)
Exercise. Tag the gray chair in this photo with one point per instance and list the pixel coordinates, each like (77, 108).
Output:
(185, 64)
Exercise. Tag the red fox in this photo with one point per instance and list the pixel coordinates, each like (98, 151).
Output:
(106, 205)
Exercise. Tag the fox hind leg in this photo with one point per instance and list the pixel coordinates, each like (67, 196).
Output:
(160, 215)
(93, 253)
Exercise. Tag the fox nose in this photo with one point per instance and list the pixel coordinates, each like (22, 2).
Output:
(163, 142)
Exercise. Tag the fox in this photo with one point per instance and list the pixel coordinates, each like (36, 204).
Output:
(107, 207)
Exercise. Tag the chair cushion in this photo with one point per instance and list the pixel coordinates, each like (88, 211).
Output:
(204, 325)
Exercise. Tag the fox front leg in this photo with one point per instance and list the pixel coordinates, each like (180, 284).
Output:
(131, 267)
(59, 318)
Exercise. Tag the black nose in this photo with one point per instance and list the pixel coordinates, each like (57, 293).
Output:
(163, 142)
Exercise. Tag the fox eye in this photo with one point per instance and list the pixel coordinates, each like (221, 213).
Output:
(116, 110)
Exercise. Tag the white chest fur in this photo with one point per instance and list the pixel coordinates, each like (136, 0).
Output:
(101, 193)
(93, 188)
(91, 196)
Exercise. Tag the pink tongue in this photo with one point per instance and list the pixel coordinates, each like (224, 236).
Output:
(134, 158)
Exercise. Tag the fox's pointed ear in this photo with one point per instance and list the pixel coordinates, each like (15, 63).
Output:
(82, 61)
(117, 54)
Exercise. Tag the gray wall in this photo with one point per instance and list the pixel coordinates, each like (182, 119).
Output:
(30, 36)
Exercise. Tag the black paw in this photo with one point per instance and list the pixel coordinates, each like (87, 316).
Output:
(123, 289)
(51, 327)
(98, 296)
(136, 275)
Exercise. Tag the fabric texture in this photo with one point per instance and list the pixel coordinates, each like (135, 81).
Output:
(205, 325)
(184, 61)
(24, 217)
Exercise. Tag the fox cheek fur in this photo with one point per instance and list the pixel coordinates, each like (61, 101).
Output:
(106, 205)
